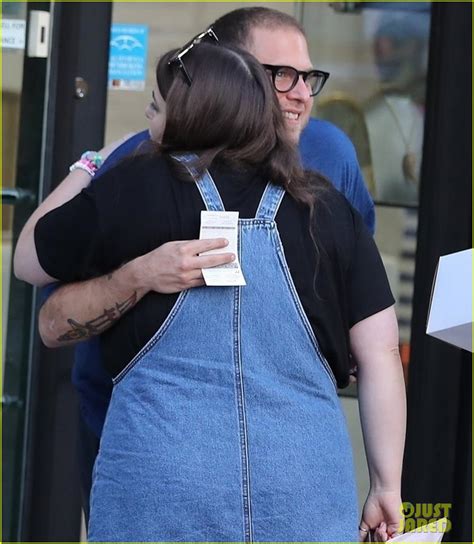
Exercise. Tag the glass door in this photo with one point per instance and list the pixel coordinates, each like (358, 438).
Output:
(22, 104)
(377, 54)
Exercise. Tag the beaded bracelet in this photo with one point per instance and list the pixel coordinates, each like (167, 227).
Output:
(85, 165)
(94, 158)
(90, 162)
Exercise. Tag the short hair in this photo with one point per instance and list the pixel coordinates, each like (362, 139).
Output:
(234, 28)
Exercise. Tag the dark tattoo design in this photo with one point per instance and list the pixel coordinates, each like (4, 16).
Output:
(98, 325)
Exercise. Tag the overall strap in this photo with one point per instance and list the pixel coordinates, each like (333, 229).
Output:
(205, 183)
(270, 202)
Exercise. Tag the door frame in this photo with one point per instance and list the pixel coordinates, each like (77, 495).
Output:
(54, 130)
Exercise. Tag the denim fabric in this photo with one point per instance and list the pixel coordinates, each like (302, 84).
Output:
(227, 425)
(323, 148)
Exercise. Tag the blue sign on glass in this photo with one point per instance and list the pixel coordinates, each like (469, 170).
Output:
(128, 56)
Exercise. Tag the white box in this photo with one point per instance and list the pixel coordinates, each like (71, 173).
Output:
(450, 315)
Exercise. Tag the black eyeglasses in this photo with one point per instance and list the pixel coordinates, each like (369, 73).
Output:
(178, 57)
(285, 78)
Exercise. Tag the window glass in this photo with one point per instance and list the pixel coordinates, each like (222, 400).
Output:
(377, 55)
(377, 58)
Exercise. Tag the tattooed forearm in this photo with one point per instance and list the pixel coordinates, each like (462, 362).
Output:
(80, 331)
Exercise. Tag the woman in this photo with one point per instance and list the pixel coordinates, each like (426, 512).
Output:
(226, 426)
(89, 378)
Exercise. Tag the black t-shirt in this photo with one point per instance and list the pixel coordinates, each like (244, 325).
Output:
(140, 205)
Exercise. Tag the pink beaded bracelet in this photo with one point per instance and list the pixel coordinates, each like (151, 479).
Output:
(90, 162)
(86, 165)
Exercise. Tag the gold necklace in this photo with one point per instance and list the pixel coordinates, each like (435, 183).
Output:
(409, 166)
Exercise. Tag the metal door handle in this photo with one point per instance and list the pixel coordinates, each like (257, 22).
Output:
(9, 401)
(16, 195)
(81, 87)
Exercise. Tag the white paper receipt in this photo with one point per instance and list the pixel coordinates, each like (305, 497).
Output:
(222, 225)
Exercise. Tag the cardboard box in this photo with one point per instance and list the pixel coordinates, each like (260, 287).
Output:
(450, 315)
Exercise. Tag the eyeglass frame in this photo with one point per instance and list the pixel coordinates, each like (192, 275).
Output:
(273, 68)
(178, 57)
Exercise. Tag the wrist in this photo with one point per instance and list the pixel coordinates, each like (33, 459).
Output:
(133, 278)
(379, 488)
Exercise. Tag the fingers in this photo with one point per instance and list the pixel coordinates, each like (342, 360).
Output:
(395, 529)
(380, 534)
(195, 247)
(176, 266)
(209, 261)
(197, 282)
(364, 532)
(193, 252)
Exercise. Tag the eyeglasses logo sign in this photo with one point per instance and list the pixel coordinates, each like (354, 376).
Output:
(128, 57)
(126, 43)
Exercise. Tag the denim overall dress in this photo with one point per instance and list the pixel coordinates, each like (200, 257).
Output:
(227, 426)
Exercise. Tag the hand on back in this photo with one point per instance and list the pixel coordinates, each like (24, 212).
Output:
(176, 266)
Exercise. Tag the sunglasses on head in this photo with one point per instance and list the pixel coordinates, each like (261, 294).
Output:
(177, 59)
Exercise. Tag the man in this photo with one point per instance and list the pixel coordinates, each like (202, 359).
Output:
(275, 39)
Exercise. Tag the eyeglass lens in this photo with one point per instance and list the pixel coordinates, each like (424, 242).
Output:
(287, 77)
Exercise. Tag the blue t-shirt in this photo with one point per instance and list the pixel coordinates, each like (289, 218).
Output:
(323, 147)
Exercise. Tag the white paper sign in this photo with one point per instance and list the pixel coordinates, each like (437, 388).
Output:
(222, 225)
(13, 33)
(432, 532)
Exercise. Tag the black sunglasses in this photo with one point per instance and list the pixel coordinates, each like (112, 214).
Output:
(177, 59)
(285, 78)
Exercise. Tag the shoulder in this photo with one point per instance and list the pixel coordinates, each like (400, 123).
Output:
(338, 225)
(322, 137)
(131, 145)
(143, 174)
(141, 164)
(328, 150)
(335, 210)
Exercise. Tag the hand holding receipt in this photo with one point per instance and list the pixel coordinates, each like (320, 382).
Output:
(222, 225)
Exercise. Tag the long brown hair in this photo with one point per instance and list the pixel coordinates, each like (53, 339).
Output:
(230, 113)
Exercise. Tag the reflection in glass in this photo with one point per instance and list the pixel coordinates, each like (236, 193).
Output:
(376, 94)
(395, 113)
(377, 55)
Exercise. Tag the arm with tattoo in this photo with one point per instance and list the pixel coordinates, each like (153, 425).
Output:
(78, 311)
(83, 331)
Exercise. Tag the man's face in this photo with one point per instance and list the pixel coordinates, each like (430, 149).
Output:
(286, 47)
